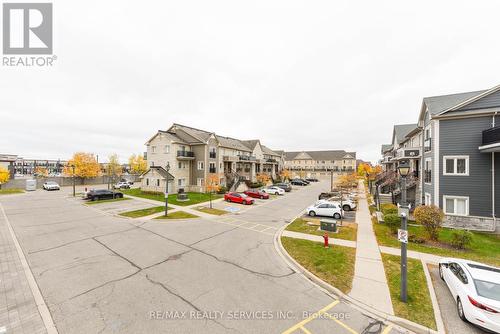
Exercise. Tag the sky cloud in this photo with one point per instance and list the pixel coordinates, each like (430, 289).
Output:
(295, 74)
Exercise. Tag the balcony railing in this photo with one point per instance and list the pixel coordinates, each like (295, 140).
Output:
(212, 170)
(212, 155)
(427, 176)
(491, 136)
(408, 152)
(185, 154)
(271, 160)
(427, 145)
(247, 158)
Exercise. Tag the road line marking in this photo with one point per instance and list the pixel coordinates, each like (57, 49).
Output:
(311, 317)
(341, 323)
(387, 329)
(266, 229)
(35, 290)
(305, 330)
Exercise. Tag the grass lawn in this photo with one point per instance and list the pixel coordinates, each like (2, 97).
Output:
(419, 307)
(107, 201)
(143, 212)
(483, 248)
(177, 215)
(211, 211)
(11, 191)
(194, 198)
(334, 265)
(347, 232)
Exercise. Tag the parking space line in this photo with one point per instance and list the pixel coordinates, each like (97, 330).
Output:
(341, 323)
(387, 329)
(311, 317)
(305, 330)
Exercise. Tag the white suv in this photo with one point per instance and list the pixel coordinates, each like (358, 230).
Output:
(51, 185)
(325, 208)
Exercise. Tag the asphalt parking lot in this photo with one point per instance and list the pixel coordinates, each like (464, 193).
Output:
(102, 274)
(447, 305)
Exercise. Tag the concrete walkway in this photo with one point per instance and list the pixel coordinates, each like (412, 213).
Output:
(318, 238)
(370, 284)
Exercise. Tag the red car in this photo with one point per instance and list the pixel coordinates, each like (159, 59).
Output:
(238, 198)
(256, 194)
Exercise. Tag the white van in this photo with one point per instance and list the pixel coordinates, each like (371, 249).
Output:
(30, 185)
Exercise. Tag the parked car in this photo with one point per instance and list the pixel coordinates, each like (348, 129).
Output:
(299, 182)
(312, 179)
(327, 195)
(475, 288)
(256, 194)
(238, 198)
(326, 209)
(347, 204)
(99, 194)
(122, 185)
(51, 185)
(285, 186)
(273, 190)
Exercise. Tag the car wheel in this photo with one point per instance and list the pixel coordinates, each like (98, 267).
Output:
(336, 215)
(346, 208)
(460, 310)
(441, 272)
(312, 213)
(261, 197)
(92, 199)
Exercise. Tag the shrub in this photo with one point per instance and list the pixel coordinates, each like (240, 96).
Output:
(393, 221)
(254, 185)
(460, 239)
(415, 239)
(388, 209)
(431, 218)
(222, 190)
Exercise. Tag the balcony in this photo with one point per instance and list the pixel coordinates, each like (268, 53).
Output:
(387, 160)
(212, 155)
(427, 145)
(271, 160)
(185, 155)
(408, 153)
(212, 170)
(491, 140)
(247, 158)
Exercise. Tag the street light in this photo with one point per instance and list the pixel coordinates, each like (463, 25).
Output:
(404, 170)
(166, 189)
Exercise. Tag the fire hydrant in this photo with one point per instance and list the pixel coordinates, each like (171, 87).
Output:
(325, 237)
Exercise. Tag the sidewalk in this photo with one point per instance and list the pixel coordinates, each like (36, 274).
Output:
(18, 309)
(318, 238)
(370, 284)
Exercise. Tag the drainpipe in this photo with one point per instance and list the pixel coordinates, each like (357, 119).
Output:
(493, 179)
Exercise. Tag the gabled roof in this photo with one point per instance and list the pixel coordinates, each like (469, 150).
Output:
(162, 171)
(200, 135)
(171, 136)
(439, 104)
(385, 148)
(401, 130)
(268, 151)
(233, 143)
(251, 143)
(321, 155)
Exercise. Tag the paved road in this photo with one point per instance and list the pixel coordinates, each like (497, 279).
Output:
(102, 274)
(448, 308)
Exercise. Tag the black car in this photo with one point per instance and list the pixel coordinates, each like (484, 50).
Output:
(299, 182)
(285, 186)
(98, 194)
(312, 179)
(328, 195)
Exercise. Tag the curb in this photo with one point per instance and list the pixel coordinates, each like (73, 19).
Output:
(402, 324)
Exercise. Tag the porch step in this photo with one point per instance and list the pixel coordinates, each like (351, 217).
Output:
(385, 198)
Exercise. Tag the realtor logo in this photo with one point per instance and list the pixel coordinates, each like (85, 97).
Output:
(27, 28)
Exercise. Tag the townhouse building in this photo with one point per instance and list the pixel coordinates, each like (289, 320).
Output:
(321, 161)
(194, 154)
(459, 139)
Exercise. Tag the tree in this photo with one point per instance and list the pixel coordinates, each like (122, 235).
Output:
(431, 217)
(4, 175)
(263, 178)
(363, 169)
(41, 171)
(212, 185)
(86, 165)
(114, 166)
(137, 164)
(347, 180)
(285, 174)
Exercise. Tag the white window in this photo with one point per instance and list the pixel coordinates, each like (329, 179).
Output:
(456, 165)
(427, 200)
(153, 149)
(428, 171)
(157, 182)
(201, 165)
(166, 149)
(201, 182)
(181, 165)
(456, 205)
(181, 182)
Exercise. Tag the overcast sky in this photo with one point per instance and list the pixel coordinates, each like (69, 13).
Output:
(299, 75)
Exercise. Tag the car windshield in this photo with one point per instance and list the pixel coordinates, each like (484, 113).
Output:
(487, 289)
(243, 195)
(51, 183)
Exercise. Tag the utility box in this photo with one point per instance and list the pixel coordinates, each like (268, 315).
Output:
(328, 225)
(30, 185)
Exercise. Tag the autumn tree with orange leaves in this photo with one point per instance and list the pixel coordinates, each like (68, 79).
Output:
(85, 166)
(212, 185)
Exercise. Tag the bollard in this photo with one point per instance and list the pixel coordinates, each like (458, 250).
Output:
(325, 238)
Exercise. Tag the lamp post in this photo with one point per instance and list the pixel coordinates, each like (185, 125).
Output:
(74, 192)
(404, 169)
(166, 189)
